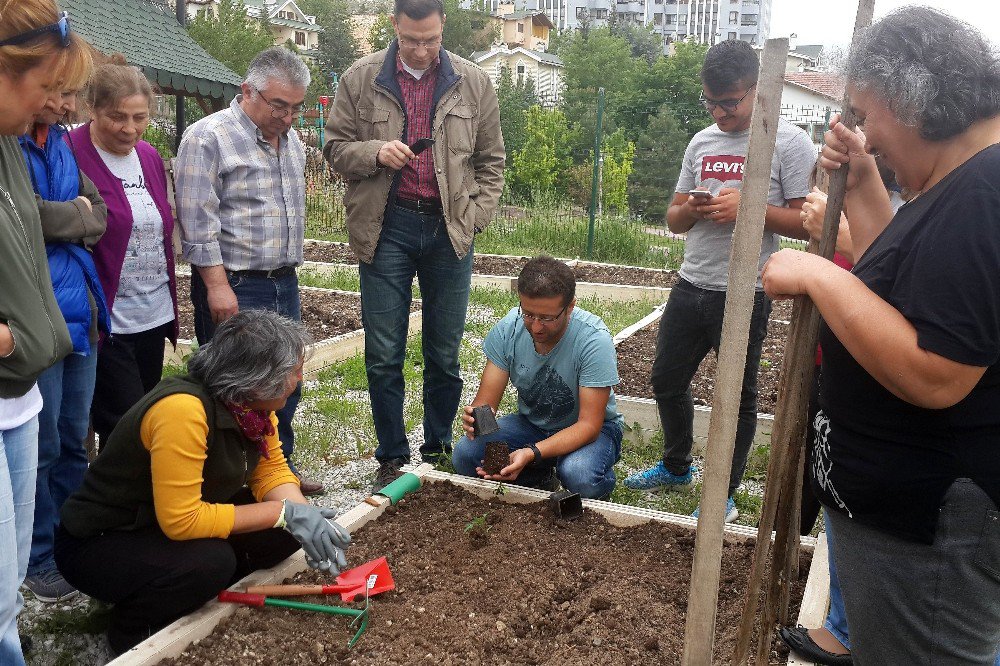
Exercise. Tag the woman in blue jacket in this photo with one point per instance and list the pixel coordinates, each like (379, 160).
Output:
(74, 217)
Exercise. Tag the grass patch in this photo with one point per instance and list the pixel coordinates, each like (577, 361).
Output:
(92, 618)
(333, 277)
(563, 233)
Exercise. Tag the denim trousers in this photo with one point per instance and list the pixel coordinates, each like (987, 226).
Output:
(67, 390)
(588, 471)
(691, 326)
(18, 459)
(279, 295)
(411, 245)
(836, 618)
(924, 604)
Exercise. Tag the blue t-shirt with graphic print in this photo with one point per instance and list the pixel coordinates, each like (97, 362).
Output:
(548, 385)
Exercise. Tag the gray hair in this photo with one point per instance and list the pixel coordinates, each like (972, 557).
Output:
(250, 357)
(277, 63)
(933, 71)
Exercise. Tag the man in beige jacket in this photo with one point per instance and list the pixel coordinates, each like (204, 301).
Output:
(412, 212)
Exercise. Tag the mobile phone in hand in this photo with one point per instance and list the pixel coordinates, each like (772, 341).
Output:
(420, 145)
(701, 194)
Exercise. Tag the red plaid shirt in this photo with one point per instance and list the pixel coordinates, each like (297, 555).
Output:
(417, 179)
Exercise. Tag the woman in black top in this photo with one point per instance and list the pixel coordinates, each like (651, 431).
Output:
(906, 457)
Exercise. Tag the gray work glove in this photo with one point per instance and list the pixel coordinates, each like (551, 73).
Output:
(323, 540)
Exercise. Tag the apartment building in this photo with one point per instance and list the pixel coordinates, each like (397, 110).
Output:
(706, 21)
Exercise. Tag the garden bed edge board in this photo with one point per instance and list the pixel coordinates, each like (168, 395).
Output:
(176, 637)
(642, 421)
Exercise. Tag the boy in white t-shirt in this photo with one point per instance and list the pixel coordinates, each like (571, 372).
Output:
(692, 322)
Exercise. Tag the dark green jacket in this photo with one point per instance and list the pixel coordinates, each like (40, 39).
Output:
(27, 304)
(117, 491)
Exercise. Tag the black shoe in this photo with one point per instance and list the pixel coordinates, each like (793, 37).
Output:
(388, 471)
(798, 640)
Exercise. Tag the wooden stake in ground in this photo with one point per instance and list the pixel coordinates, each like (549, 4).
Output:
(699, 631)
(788, 434)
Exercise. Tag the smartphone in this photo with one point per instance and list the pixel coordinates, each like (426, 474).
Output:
(701, 194)
(420, 145)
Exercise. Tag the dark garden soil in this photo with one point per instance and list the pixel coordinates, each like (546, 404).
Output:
(325, 315)
(636, 277)
(538, 591)
(636, 354)
(498, 265)
(332, 253)
(340, 253)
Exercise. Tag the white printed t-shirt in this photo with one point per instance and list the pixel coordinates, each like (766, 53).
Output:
(714, 159)
(143, 298)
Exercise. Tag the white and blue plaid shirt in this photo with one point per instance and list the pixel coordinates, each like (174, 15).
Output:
(239, 202)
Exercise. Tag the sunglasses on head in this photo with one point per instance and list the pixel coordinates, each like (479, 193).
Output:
(61, 27)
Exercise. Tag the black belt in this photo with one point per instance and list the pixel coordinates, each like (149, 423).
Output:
(284, 271)
(421, 206)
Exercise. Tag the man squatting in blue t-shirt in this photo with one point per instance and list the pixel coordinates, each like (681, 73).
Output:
(692, 322)
(561, 361)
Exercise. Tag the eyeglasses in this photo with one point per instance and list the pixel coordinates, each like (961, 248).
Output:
(61, 26)
(407, 43)
(281, 110)
(544, 320)
(727, 105)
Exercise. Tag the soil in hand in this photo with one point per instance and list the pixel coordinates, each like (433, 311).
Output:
(496, 457)
(541, 591)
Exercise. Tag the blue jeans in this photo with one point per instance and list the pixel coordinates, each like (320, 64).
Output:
(279, 295)
(836, 619)
(18, 459)
(588, 471)
(414, 245)
(67, 390)
(691, 326)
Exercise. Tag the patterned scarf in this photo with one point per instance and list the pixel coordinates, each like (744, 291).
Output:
(255, 424)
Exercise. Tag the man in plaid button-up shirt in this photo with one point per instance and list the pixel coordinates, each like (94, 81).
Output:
(415, 214)
(241, 206)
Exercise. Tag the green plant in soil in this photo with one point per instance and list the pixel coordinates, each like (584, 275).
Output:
(477, 531)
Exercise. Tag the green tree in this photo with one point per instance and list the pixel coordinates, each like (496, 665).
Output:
(598, 60)
(657, 165)
(381, 33)
(232, 38)
(617, 153)
(337, 47)
(515, 100)
(676, 81)
(537, 167)
(645, 43)
(465, 30)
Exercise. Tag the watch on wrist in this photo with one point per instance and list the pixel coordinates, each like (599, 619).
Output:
(534, 450)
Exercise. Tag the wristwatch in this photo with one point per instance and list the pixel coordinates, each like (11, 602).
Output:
(538, 454)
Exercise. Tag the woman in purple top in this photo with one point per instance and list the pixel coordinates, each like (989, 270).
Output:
(135, 260)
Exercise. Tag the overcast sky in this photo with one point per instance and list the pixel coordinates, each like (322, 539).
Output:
(824, 22)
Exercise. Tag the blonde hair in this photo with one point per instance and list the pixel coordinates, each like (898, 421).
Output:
(114, 81)
(72, 63)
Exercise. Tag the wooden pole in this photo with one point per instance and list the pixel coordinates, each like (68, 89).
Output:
(793, 400)
(699, 631)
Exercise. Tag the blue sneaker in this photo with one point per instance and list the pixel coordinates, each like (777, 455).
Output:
(657, 477)
(731, 512)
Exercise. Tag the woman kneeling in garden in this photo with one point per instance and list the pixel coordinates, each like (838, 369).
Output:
(191, 491)
(905, 456)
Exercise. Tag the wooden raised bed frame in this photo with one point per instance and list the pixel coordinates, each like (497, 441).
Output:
(173, 639)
